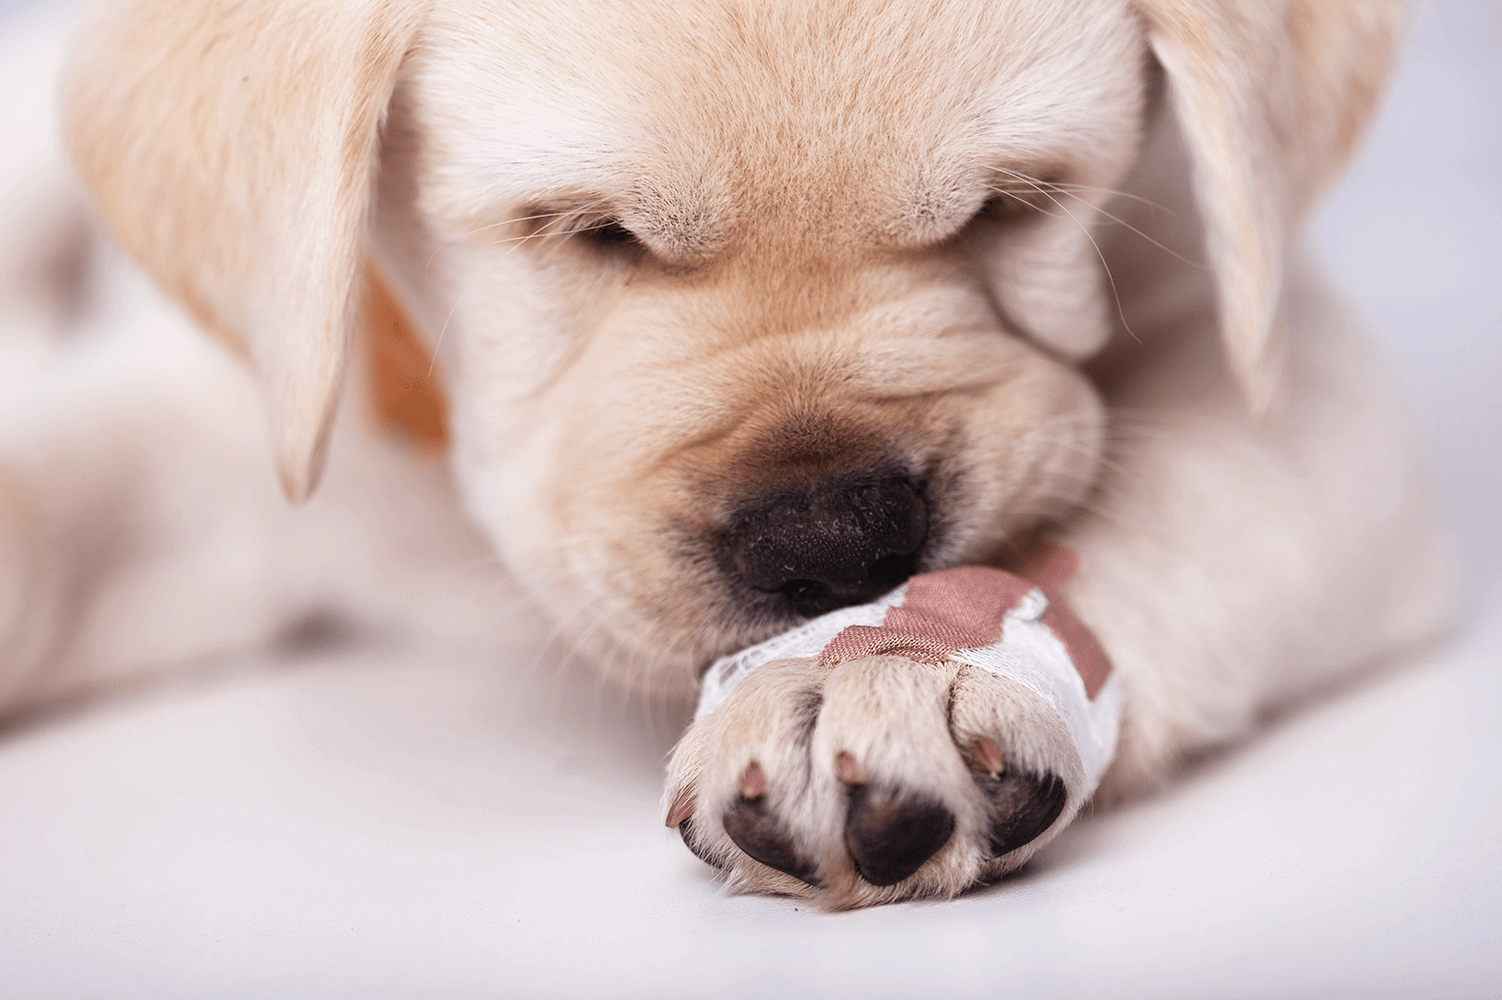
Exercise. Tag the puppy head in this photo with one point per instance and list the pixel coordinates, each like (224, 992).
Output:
(748, 310)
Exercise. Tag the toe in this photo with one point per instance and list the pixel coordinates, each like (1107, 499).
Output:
(1022, 759)
(910, 812)
(739, 781)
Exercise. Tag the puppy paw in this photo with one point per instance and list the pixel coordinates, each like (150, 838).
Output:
(873, 780)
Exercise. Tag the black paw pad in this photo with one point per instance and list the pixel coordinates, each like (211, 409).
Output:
(890, 836)
(1023, 806)
(752, 827)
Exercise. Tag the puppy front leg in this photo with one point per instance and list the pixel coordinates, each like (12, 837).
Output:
(1228, 565)
(121, 473)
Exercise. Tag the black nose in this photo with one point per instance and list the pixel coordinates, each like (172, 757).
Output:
(840, 541)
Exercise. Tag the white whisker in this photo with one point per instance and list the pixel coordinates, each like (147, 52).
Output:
(1115, 294)
(1122, 222)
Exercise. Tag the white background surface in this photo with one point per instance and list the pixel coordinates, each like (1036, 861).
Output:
(480, 822)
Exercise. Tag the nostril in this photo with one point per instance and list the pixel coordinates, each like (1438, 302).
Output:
(895, 568)
(805, 591)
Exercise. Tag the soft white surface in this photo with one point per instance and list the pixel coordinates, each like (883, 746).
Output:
(470, 822)
(380, 827)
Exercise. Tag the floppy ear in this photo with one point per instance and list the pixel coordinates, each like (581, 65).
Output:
(1271, 97)
(230, 146)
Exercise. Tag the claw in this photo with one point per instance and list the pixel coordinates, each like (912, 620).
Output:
(683, 808)
(989, 755)
(753, 782)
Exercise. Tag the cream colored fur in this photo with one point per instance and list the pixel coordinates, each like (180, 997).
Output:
(864, 230)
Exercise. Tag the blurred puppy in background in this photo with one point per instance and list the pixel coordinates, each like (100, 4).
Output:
(744, 311)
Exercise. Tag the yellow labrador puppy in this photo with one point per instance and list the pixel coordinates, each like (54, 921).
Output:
(748, 310)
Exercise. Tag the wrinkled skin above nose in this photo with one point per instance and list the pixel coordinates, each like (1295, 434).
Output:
(835, 542)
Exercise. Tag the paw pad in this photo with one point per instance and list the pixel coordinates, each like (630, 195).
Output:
(890, 835)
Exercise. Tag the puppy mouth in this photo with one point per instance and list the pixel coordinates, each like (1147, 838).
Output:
(806, 548)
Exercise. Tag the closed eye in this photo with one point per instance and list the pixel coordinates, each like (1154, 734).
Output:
(578, 222)
(1014, 206)
(1001, 208)
(609, 233)
(1017, 196)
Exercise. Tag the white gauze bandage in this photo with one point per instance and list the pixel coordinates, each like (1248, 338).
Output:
(1011, 626)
